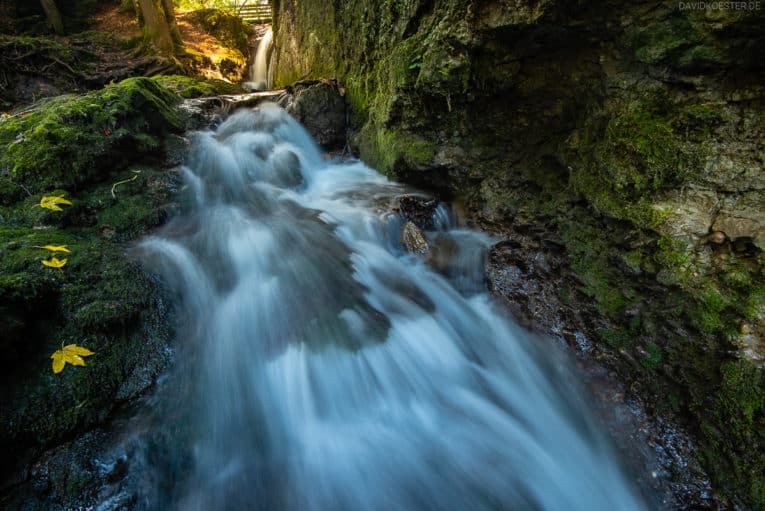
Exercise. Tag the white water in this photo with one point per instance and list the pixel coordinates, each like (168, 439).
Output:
(320, 367)
(259, 72)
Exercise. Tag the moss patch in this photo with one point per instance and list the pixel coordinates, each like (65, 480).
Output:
(187, 87)
(101, 298)
(66, 141)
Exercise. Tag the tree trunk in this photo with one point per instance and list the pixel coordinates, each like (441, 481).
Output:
(156, 28)
(175, 33)
(53, 15)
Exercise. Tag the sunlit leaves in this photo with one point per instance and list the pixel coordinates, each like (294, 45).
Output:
(54, 202)
(55, 262)
(54, 248)
(70, 354)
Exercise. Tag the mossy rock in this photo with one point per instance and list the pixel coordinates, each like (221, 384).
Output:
(187, 87)
(65, 142)
(101, 298)
(225, 26)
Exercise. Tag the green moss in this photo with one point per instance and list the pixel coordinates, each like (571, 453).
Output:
(674, 258)
(740, 410)
(101, 299)
(679, 41)
(66, 141)
(615, 338)
(645, 155)
(225, 26)
(385, 150)
(630, 156)
(187, 87)
(653, 358)
(589, 256)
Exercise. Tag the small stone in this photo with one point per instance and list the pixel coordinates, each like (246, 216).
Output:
(717, 237)
(413, 239)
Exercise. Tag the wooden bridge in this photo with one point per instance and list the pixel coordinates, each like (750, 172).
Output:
(255, 11)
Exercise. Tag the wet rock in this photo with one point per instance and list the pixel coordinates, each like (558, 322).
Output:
(414, 241)
(442, 251)
(320, 107)
(286, 168)
(520, 274)
(418, 209)
(536, 115)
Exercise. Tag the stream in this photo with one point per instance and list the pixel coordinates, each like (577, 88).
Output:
(320, 366)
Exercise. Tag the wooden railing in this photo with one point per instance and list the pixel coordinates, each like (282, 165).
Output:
(255, 12)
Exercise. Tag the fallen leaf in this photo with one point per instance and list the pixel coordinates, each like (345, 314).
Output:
(54, 248)
(55, 262)
(71, 354)
(52, 202)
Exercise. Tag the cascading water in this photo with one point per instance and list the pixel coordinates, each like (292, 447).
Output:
(321, 367)
(260, 75)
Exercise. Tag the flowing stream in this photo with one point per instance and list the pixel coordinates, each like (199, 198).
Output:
(322, 367)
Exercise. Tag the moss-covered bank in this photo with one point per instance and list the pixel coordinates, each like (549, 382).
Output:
(630, 134)
(106, 151)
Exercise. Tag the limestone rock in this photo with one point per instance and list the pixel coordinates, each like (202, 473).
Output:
(743, 216)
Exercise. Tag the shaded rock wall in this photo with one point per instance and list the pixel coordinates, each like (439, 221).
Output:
(106, 151)
(626, 135)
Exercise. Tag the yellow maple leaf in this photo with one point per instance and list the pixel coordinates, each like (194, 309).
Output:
(55, 262)
(54, 248)
(71, 354)
(52, 202)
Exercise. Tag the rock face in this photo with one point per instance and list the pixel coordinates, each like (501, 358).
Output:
(622, 133)
(105, 151)
(320, 107)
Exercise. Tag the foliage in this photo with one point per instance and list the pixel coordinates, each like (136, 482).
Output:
(69, 354)
(52, 202)
(55, 248)
(55, 262)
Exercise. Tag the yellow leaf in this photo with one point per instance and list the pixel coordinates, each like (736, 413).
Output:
(78, 350)
(69, 354)
(58, 361)
(54, 248)
(54, 262)
(52, 202)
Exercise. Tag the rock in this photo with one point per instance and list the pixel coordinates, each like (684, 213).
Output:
(625, 130)
(320, 107)
(285, 165)
(690, 213)
(418, 210)
(743, 216)
(717, 238)
(103, 300)
(414, 241)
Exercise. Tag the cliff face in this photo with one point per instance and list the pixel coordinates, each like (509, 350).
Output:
(627, 135)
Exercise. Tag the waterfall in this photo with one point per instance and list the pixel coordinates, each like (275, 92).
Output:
(322, 367)
(260, 72)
